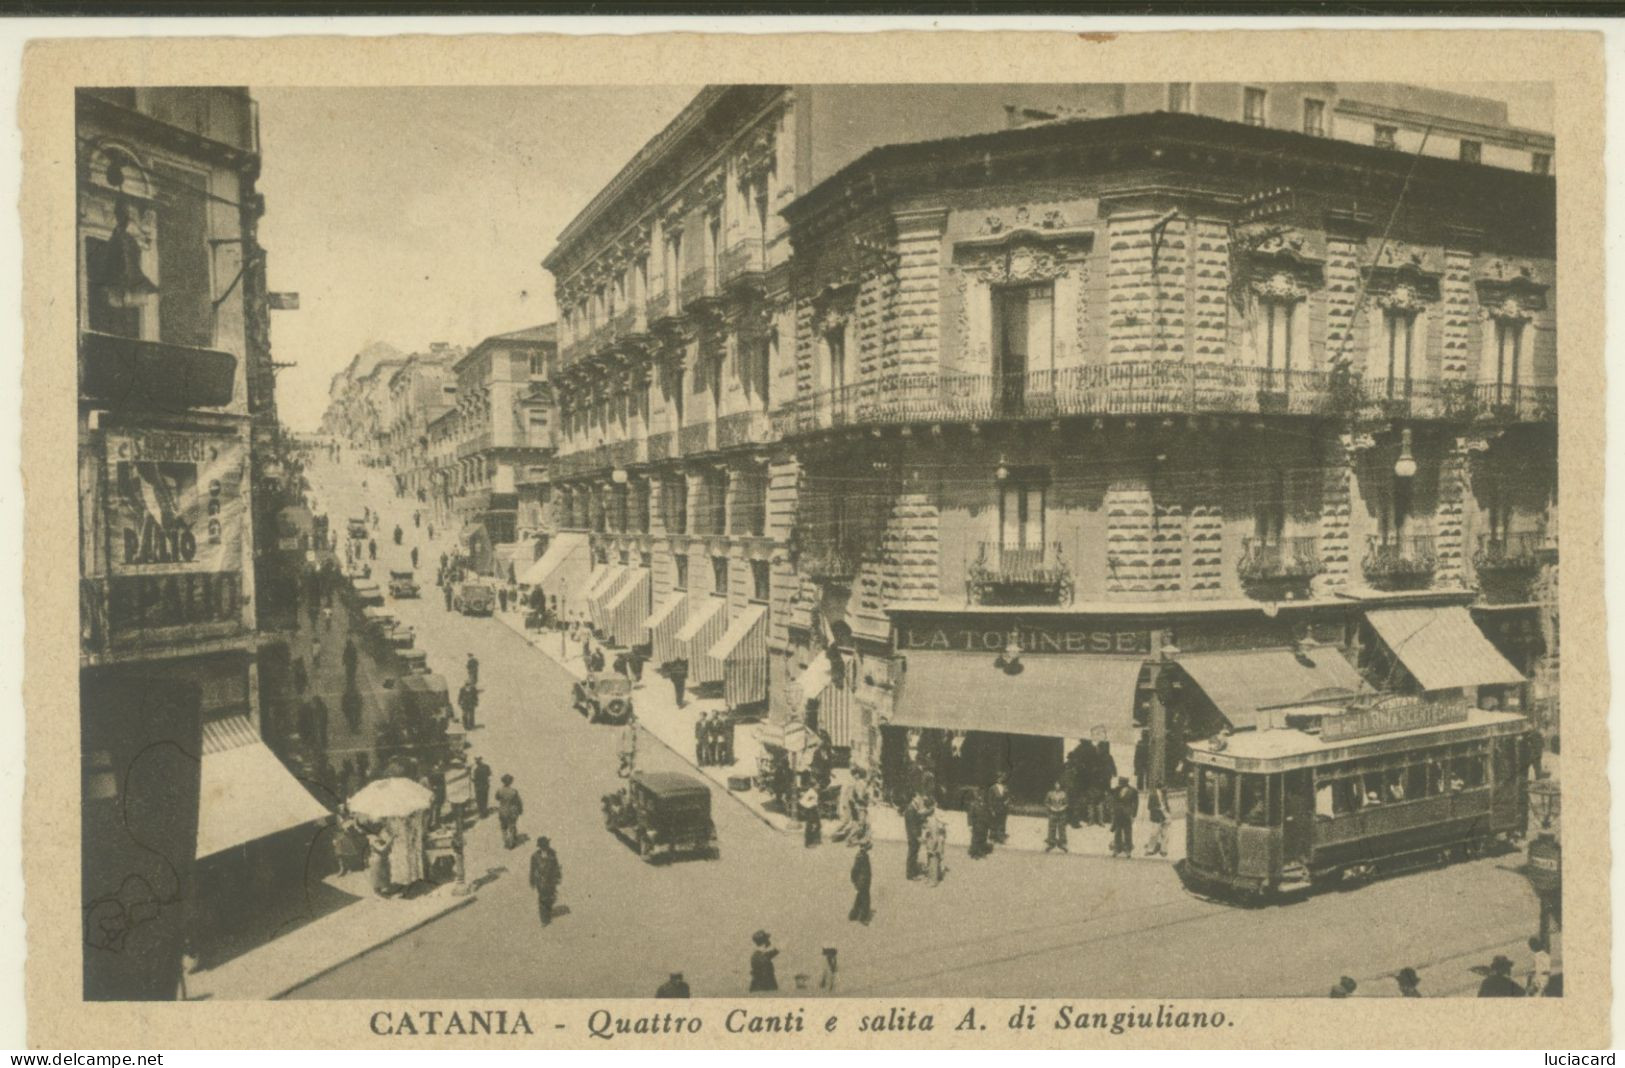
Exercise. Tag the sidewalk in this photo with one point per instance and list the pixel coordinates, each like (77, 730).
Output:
(290, 961)
(659, 715)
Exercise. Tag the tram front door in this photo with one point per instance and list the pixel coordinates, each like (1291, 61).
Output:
(1298, 807)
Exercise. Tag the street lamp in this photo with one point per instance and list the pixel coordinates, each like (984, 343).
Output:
(1544, 869)
(1405, 466)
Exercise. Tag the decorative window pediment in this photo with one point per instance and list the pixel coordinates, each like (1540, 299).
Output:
(1511, 297)
(1280, 268)
(1402, 289)
(1023, 254)
(832, 308)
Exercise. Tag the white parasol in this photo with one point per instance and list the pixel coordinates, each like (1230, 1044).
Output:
(389, 799)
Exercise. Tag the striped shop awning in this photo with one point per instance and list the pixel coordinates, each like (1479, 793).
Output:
(707, 619)
(743, 652)
(628, 610)
(598, 595)
(663, 625)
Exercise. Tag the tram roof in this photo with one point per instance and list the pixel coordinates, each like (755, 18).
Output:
(1283, 749)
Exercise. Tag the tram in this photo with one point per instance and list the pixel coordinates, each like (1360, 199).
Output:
(1336, 795)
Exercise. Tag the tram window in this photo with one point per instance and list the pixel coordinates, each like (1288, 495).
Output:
(1325, 802)
(1225, 784)
(1347, 796)
(1436, 779)
(1415, 781)
(1254, 801)
(1204, 791)
(1275, 800)
(1374, 794)
(1470, 770)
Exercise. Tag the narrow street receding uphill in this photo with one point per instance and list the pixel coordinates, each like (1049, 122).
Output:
(1014, 924)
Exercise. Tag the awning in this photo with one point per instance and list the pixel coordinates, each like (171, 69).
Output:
(1240, 684)
(663, 626)
(561, 549)
(707, 619)
(604, 585)
(1443, 648)
(246, 793)
(1050, 697)
(627, 611)
(812, 682)
(743, 652)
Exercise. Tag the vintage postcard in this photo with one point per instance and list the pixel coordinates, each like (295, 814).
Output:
(937, 539)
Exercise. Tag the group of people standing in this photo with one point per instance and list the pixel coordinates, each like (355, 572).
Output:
(713, 739)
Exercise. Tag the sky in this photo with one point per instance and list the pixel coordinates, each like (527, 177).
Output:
(415, 215)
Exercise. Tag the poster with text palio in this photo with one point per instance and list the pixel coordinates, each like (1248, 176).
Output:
(174, 502)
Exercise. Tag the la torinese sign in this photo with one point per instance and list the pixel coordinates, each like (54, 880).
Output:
(174, 503)
(1032, 634)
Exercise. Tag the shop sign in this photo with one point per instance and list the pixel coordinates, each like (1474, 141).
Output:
(977, 636)
(174, 503)
(1390, 715)
(138, 603)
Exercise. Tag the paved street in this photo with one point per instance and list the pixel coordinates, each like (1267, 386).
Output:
(1072, 926)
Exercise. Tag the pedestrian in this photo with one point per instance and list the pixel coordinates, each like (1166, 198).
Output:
(674, 987)
(510, 806)
(915, 814)
(628, 750)
(826, 981)
(725, 739)
(998, 809)
(846, 805)
(934, 838)
(468, 699)
(545, 876)
(1499, 983)
(1105, 773)
(812, 824)
(378, 862)
(481, 774)
(1540, 970)
(1056, 806)
(976, 818)
(762, 973)
(351, 660)
(473, 666)
(702, 734)
(1125, 806)
(502, 598)
(1409, 983)
(301, 678)
(862, 879)
(397, 533)
(1156, 810)
(1345, 988)
(372, 549)
(1142, 761)
(430, 529)
(446, 589)
(349, 849)
(318, 719)
(414, 558)
(677, 671)
(350, 707)
(1080, 763)
(417, 518)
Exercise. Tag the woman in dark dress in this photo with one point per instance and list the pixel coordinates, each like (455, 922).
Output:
(762, 975)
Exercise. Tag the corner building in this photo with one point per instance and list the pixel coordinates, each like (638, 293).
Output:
(1125, 428)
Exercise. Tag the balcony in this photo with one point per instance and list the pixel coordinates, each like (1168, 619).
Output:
(1278, 568)
(1151, 387)
(626, 453)
(744, 264)
(695, 439)
(829, 563)
(660, 446)
(659, 308)
(1024, 575)
(1513, 553)
(1400, 563)
(124, 372)
(628, 324)
(743, 428)
(699, 290)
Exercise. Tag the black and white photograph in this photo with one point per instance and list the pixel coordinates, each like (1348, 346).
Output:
(1088, 544)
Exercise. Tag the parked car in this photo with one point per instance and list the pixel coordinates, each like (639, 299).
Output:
(402, 584)
(663, 814)
(604, 698)
(475, 599)
(357, 528)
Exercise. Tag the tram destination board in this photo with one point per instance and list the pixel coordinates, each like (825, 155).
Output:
(1404, 714)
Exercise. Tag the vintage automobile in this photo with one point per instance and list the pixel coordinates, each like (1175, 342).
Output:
(604, 697)
(475, 599)
(402, 584)
(662, 814)
(369, 594)
(357, 528)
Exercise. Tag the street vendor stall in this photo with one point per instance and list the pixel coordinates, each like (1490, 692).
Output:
(399, 809)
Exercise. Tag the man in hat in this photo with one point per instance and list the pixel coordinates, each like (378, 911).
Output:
(545, 875)
(1125, 807)
(468, 699)
(826, 980)
(473, 669)
(1409, 982)
(702, 739)
(998, 809)
(1056, 807)
(352, 658)
(509, 808)
(915, 814)
(1540, 968)
(1499, 983)
(481, 774)
(862, 879)
(675, 987)
(763, 975)
(1344, 988)
(677, 672)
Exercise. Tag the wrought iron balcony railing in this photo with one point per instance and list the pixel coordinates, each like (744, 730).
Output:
(1518, 551)
(743, 428)
(695, 438)
(743, 262)
(699, 289)
(1005, 574)
(1400, 561)
(661, 446)
(1276, 559)
(827, 562)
